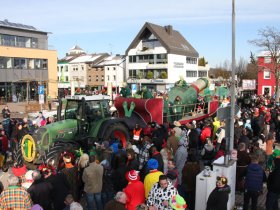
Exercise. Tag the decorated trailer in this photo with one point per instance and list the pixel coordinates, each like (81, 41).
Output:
(87, 119)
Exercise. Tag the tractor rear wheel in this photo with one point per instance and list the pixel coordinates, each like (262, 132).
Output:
(117, 131)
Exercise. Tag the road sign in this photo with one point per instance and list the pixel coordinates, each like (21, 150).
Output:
(41, 90)
(223, 113)
(41, 99)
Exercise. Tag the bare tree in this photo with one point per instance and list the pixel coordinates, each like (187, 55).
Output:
(270, 41)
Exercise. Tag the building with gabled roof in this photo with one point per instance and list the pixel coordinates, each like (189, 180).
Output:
(158, 56)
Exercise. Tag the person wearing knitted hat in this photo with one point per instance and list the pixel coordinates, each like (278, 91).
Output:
(135, 191)
(177, 202)
(152, 177)
(218, 198)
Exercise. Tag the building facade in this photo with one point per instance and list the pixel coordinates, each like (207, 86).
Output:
(159, 56)
(266, 75)
(25, 62)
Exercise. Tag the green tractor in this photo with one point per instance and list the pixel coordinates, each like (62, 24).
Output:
(85, 120)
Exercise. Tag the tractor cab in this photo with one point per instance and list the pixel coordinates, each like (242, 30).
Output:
(85, 109)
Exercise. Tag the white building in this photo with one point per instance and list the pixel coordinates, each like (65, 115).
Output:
(114, 67)
(158, 56)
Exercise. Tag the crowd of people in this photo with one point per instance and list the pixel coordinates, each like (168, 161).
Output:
(157, 170)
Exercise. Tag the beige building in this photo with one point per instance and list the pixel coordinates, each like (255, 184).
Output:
(25, 63)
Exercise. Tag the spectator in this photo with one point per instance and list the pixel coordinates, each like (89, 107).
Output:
(60, 186)
(218, 198)
(15, 197)
(40, 191)
(161, 193)
(172, 142)
(154, 153)
(143, 156)
(6, 113)
(220, 134)
(180, 158)
(71, 173)
(138, 134)
(273, 186)
(118, 203)
(107, 183)
(92, 178)
(135, 191)
(40, 119)
(71, 204)
(132, 162)
(172, 173)
(152, 177)
(189, 173)
(243, 160)
(255, 176)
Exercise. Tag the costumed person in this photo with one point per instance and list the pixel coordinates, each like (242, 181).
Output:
(181, 82)
(145, 93)
(218, 198)
(177, 202)
(177, 108)
(125, 91)
(135, 191)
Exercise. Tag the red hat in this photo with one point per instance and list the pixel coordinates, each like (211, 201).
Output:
(19, 171)
(132, 175)
(262, 108)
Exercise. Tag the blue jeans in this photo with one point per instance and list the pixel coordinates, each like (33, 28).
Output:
(94, 198)
(272, 201)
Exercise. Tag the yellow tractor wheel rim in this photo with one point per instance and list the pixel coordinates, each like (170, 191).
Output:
(28, 148)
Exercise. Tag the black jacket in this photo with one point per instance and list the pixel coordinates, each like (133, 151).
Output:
(40, 193)
(273, 181)
(218, 198)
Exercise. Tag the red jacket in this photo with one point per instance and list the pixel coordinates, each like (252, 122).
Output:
(135, 193)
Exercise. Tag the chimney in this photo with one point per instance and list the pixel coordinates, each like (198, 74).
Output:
(169, 29)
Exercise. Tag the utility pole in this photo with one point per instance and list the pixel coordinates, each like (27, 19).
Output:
(232, 90)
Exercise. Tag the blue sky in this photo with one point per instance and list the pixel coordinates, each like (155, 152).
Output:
(110, 26)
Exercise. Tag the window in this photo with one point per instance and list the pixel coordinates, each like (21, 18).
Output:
(66, 79)
(6, 63)
(38, 64)
(82, 68)
(108, 68)
(58, 69)
(114, 77)
(114, 68)
(96, 78)
(132, 73)
(132, 59)
(20, 63)
(202, 74)
(108, 77)
(66, 68)
(31, 63)
(267, 59)
(191, 73)
(45, 64)
(266, 74)
(102, 78)
(191, 60)
(61, 68)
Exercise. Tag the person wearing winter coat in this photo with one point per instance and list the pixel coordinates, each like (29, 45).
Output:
(273, 186)
(135, 191)
(255, 176)
(180, 158)
(218, 198)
